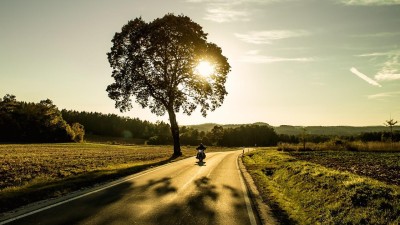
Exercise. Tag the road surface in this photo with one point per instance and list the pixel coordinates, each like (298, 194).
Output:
(182, 192)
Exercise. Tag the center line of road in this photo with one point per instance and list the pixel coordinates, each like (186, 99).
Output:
(196, 175)
(190, 180)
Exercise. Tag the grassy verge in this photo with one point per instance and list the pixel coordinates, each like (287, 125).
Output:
(32, 172)
(300, 192)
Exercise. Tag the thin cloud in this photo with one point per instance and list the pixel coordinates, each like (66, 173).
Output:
(377, 35)
(267, 37)
(390, 70)
(224, 11)
(370, 2)
(254, 57)
(375, 54)
(222, 15)
(387, 76)
(364, 77)
(384, 95)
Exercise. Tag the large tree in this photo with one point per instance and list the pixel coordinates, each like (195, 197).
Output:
(156, 64)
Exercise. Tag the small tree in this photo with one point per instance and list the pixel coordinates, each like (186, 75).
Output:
(303, 137)
(79, 132)
(217, 134)
(390, 123)
(156, 63)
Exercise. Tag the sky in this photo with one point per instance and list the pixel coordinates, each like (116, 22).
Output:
(294, 62)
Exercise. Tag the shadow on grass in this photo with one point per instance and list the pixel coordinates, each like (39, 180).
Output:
(14, 199)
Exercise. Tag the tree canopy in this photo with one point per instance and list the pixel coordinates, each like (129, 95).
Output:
(156, 64)
(35, 122)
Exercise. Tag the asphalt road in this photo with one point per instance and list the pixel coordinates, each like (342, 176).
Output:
(182, 192)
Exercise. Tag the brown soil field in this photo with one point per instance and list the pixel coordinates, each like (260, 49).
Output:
(382, 166)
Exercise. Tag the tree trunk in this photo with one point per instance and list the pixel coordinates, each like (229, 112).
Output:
(391, 133)
(175, 132)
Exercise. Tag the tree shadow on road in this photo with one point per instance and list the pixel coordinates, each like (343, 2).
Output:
(90, 208)
(196, 209)
(161, 187)
(119, 205)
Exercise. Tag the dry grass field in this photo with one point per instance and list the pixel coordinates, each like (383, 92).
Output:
(31, 172)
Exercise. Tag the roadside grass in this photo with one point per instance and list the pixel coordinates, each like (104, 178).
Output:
(33, 172)
(301, 192)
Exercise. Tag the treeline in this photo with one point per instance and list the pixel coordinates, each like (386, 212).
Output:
(35, 122)
(245, 135)
(380, 136)
(383, 136)
(43, 122)
(249, 135)
(332, 130)
(112, 125)
(159, 133)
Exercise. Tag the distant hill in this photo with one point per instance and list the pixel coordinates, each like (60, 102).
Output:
(206, 127)
(332, 130)
(295, 130)
(203, 127)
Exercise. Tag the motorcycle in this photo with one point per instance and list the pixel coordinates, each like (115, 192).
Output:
(201, 155)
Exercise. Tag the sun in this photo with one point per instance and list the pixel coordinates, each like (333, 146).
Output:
(204, 68)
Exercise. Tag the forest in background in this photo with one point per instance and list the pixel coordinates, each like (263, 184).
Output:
(22, 122)
(111, 125)
(313, 130)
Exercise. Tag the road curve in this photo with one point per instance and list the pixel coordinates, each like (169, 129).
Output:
(183, 192)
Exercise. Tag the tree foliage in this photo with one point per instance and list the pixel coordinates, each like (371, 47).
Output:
(111, 125)
(155, 63)
(249, 135)
(35, 122)
(191, 136)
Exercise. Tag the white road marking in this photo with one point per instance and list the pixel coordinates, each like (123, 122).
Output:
(190, 180)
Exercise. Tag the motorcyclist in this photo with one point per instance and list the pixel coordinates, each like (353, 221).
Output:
(200, 150)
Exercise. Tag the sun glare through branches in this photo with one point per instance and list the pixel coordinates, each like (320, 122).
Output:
(204, 68)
